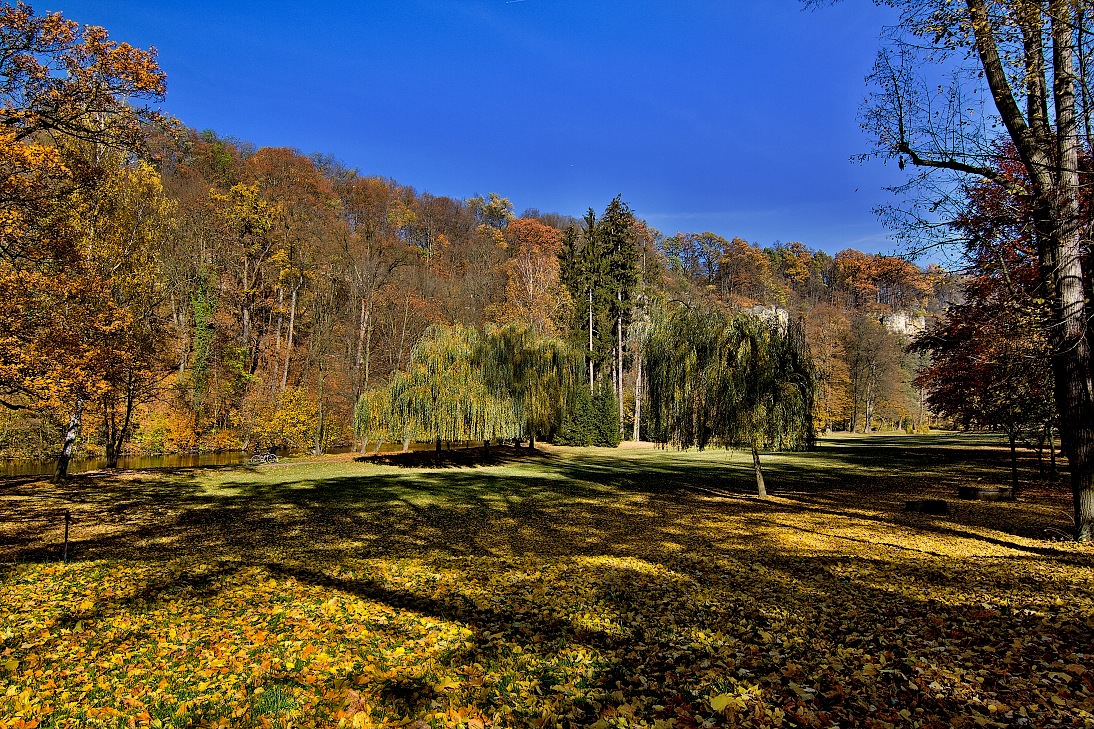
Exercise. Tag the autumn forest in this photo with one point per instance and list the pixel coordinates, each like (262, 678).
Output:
(236, 298)
(525, 468)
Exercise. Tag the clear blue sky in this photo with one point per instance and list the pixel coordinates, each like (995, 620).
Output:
(736, 116)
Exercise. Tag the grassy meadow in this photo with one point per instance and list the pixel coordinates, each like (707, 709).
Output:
(564, 588)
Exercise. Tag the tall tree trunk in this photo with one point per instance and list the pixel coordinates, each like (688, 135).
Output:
(619, 357)
(289, 337)
(854, 402)
(1072, 360)
(319, 427)
(280, 316)
(590, 341)
(637, 434)
(1050, 157)
(117, 436)
(1052, 454)
(761, 490)
(358, 360)
(71, 432)
(245, 335)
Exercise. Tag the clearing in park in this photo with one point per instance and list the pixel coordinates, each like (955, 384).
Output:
(565, 587)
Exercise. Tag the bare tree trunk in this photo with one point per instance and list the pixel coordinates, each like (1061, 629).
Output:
(71, 432)
(1052, 453)
(590, 341)
(359, 357)
(245, 335)
(761, 490)
(637, 435)
(1072, 361)
(289, 337)
(116, 438)
(280, 316)
(619, 358)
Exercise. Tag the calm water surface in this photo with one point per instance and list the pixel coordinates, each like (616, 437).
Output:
(23, 467)
(20, 467)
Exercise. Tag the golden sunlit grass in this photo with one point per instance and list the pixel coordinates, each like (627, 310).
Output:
(573, 587)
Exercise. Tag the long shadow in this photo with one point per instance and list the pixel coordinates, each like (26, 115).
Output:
(576, 506)
(560, 502)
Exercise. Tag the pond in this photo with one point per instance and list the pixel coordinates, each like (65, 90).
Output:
(28, 467)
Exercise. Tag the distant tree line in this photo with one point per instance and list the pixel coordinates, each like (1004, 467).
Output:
(166, 290)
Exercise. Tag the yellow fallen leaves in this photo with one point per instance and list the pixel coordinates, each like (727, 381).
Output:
(510, 603)
(506, 641)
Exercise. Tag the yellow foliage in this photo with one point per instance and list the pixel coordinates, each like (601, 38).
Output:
(291, 422)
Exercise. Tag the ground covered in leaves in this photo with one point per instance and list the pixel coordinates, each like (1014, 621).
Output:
(574, 587)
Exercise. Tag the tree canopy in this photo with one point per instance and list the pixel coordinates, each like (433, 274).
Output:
(723, 381)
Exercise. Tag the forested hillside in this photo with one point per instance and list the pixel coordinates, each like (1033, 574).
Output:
(273, 288)
(166, 290)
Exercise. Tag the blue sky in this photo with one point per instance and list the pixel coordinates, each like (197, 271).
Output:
(736, 116)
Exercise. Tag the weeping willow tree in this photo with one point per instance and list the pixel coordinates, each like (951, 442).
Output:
(443, 393)
(740, 381)
(774, 386)
(461, 384)
(374, 418)
(536, 373)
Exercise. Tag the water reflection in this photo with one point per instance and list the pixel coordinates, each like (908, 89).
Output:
(27, 467)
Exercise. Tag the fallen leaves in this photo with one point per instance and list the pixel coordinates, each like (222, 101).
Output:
(543, 626)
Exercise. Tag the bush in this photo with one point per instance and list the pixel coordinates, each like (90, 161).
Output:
(591, 420)
(605, 419)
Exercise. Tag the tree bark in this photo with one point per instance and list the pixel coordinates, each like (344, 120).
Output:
(1072, 361)
(761, 490)
(619, 358)
(71, 432)
(638, 398)
(590, 341)
(363, 324)
(1051, 160)
(245, 334)
(1052, 454)
(289, 337)
(116, 438)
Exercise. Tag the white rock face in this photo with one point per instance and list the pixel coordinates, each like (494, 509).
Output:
(771, 314)
(901, 322)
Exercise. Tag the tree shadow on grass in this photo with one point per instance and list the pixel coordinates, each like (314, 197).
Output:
(534, 548)
(556, 502)
(476, 456)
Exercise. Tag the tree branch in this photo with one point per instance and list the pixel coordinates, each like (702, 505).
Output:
(957, 166)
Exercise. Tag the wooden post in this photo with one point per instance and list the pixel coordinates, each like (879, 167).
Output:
(68, 520)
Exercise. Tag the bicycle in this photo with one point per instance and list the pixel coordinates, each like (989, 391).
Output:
(259, 458)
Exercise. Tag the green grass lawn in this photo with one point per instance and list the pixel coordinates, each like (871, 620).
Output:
(572, 587)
